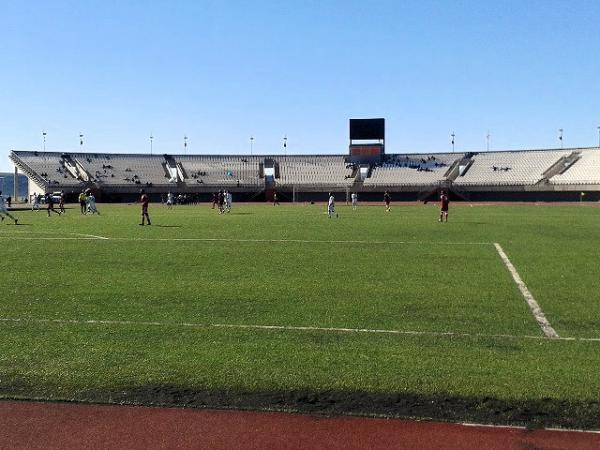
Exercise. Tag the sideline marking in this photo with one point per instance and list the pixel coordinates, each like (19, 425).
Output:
(533, 305)
(305, 241)
(283, 241)
(59, 238)
(93, 236)
(449, 334)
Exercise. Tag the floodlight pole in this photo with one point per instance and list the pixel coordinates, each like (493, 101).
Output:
(599, 136)
(81, 141)
(44, 138)
(185, 138)
(285, 146)
(251, 144)
(151, 139)
(453, 136)
(560, 137)
(488, 140)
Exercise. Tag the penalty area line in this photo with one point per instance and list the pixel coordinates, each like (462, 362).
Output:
(448, 334)
(537, 312)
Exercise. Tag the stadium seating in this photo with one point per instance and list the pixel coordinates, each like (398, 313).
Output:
(49, 168)
(411, 170)
(510, 168)
(128, 172)
(586, 169)
(326, 171)
(221, 170)
(123, 169)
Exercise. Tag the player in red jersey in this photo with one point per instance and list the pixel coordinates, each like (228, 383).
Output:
(444, 202)
(144, 200)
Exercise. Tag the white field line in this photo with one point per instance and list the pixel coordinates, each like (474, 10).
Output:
(85, 237)
(93, 236)
(281, 328)
(306, 241)
(58, 238)
(537, 312)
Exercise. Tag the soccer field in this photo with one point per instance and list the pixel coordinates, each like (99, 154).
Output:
(282, 308)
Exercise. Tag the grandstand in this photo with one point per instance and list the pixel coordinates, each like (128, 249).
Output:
(527, 174)
(223, 171)
(330, 172)
(584, 169)
(411, 170)
(510, 168)
(122, 170)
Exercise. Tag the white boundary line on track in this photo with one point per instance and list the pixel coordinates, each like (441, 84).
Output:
(520, 427)
(449, 334)
(537, 312)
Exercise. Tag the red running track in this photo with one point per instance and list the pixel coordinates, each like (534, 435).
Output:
(62, 425)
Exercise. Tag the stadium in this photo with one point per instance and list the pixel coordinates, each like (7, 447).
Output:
(300, 225)
(489, 318)
(525, 175)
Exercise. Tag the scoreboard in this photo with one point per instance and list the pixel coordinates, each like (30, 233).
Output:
(368, 150)
(366, 153)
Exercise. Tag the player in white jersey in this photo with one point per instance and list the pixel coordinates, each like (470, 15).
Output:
(170, 200)
(228, 201)
(91, 204)
(35, 202)
(4, 211)
(354, 197)
(331, 206)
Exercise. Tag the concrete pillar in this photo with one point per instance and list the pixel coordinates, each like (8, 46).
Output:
(16, 185)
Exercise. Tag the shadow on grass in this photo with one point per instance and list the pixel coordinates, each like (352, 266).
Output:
(533, 413)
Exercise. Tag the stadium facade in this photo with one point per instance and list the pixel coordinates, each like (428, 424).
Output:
(528, 175)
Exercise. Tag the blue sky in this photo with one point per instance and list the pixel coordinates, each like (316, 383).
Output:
(222, 71)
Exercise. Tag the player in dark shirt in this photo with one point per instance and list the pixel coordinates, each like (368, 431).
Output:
(221, 201)
(50, 205)
(444, 203)
(61, 203)
(144, 201)
(387, 199)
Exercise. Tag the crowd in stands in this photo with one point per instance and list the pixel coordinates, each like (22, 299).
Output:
(424, 164)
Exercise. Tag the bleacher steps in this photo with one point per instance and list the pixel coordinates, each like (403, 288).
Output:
(561, 166)
(458, 168)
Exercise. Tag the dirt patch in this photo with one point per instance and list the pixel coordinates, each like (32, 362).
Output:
(531, 413)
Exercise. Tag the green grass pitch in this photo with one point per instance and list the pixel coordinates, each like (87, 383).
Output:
(158, 314)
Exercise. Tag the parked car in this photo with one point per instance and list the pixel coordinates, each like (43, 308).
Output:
(56, 197)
